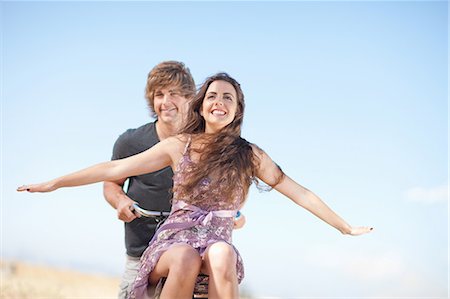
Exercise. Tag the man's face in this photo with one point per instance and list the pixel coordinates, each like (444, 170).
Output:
(170, 105)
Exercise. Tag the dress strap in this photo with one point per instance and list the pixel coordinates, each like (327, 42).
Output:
(188, 143)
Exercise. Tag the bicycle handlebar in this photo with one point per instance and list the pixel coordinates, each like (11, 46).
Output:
(146, 213)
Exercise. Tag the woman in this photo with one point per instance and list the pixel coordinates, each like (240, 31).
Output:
(213, 169)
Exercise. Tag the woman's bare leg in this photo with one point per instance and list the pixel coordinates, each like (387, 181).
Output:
(219, 262)
(181, 265)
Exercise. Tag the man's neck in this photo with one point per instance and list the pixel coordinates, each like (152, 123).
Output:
(165, 130)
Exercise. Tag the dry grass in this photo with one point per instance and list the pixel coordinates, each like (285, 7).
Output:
(24, 281)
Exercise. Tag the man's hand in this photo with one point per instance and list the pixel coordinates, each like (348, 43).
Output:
(125, 209)
(117, 198)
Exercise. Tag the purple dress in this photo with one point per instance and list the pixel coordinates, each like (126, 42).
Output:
(210, 220)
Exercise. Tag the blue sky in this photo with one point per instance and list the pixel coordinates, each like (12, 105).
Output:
(350, 98)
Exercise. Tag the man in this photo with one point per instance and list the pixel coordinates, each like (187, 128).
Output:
(169, 87)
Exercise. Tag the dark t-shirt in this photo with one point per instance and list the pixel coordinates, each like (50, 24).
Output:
(152, 191)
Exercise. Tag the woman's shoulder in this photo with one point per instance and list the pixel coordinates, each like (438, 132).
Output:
(178, 142)
(257, 150)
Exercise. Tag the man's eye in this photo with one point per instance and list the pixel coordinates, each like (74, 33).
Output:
(175, 92)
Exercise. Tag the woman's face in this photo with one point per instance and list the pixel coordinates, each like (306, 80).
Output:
(219, 106)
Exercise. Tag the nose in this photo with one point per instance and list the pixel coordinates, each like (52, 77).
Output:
(166, 98)
(218, 101)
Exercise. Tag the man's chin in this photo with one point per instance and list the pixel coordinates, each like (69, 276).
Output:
(172, 120)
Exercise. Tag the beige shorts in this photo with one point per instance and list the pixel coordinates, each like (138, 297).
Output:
(132, 266)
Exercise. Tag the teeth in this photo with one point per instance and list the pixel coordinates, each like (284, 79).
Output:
(218, 112)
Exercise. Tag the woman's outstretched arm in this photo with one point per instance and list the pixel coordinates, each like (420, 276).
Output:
(269, 172)
(153, 159)
(311, 202)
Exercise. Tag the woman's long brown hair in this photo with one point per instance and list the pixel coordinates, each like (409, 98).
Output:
(224, 155)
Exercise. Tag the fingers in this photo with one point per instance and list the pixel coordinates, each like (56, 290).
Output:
(239, 222)
(125, 212)
(367, 229)
(356, 231)
(131, 214)
(41, 187)
(23, 188)
(127, 217)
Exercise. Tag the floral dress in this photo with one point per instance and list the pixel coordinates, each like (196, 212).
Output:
(210, 220)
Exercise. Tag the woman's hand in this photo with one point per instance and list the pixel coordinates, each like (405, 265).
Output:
(239, 222)
(42, 187)
(356, 231)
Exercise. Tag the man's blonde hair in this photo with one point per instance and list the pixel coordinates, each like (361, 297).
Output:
(165, 74)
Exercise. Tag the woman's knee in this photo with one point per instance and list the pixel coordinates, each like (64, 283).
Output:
(221, 258)
(185, 259)
(180, 260)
